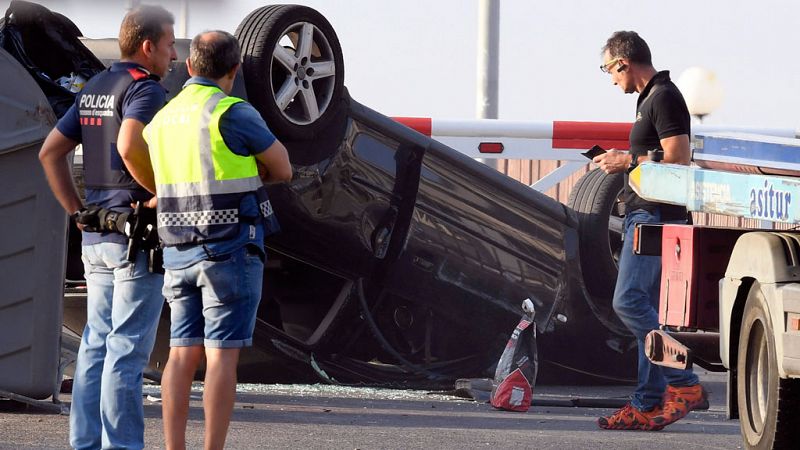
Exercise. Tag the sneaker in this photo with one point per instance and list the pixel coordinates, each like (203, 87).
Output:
(630, 418)
(678, 401)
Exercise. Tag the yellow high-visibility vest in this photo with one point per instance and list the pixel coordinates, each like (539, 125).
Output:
(199, 181)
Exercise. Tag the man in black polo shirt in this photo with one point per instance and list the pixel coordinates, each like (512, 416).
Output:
(663, 395)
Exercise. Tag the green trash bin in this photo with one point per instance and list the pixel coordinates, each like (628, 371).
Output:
(32, 241)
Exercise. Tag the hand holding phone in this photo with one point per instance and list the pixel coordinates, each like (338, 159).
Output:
(593, 152)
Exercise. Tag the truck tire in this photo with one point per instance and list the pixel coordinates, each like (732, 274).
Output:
(293, 69)
(768, 405)
(596, 198)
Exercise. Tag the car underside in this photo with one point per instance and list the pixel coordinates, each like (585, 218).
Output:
(401, 261)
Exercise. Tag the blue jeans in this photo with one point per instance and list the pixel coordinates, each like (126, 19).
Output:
(214, 303)
(636, 303)
(122, 312)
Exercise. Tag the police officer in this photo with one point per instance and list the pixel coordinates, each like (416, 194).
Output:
(207, 149)
(123, 298)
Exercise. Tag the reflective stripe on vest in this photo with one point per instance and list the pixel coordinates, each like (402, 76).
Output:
(208, 217)
(199, 178)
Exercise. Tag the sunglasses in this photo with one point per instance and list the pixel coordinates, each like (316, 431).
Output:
(606, 68)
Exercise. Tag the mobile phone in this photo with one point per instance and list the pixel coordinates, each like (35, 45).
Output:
(594, 151)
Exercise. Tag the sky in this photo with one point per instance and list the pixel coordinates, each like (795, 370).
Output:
(418, 57)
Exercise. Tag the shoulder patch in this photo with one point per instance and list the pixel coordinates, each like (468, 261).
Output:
(138, 74)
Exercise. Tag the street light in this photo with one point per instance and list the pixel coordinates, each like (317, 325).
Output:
(701, 90)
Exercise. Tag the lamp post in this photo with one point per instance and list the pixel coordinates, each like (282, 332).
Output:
(488, 62)
(701, 90)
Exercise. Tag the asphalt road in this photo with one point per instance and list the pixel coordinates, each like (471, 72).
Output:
(315, 416)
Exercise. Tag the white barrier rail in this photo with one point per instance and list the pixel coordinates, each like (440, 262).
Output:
(556, 140)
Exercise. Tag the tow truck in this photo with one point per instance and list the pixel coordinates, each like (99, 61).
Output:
(730, 296)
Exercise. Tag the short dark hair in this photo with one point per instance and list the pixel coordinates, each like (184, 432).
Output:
(145, 22)
(628, 45)
(214, 53)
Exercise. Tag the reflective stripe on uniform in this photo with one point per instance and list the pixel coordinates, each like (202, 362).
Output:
(217, 187)
(198, 218)
(266, 208)
(206, 155)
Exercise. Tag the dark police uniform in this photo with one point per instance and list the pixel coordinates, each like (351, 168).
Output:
(123, 301)
(125, 90)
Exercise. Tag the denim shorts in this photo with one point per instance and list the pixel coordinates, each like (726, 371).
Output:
(214, 302)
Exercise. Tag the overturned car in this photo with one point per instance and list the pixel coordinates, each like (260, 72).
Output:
(401, 261)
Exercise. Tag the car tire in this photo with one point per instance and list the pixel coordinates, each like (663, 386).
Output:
(293, 69)
(768, 404)
(596, 199)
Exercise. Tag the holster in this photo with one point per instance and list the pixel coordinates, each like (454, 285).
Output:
(155, 260)
(144, 237)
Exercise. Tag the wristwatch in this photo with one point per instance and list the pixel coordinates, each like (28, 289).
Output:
(634, 162)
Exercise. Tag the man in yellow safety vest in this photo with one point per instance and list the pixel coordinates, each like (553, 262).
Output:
(213, 213)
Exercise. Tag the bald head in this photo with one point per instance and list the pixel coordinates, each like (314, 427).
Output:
(213, 54)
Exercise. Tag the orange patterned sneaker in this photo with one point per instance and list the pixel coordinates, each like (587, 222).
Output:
(678, 401)
(630, 418)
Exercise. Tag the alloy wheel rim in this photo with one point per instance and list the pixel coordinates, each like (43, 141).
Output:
(303, 73)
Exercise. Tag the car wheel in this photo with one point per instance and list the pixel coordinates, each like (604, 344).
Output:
(768, 405)
(596, 199)
(293, 68)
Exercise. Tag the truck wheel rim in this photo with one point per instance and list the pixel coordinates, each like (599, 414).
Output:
(303, 73)
(757, 376)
